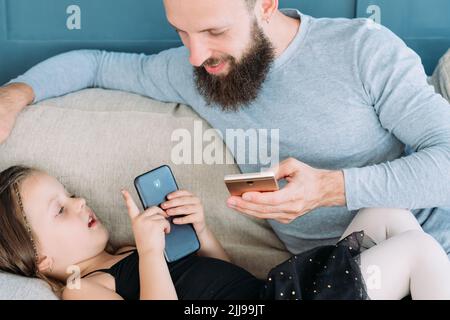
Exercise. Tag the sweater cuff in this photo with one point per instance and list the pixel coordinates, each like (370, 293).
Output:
(351, 189)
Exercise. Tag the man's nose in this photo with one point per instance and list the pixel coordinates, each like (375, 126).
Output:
(199, 52)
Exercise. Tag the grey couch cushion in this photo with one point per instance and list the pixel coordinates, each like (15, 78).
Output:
(19, 288)
(441, 76)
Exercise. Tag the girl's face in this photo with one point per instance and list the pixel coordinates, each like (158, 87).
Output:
(67, 230)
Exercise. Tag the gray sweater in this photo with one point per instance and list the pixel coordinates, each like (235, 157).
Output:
(346, 94)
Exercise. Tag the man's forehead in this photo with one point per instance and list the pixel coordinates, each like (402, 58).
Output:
(204, 13)
(205, 4)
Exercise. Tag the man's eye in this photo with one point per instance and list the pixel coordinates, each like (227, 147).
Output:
(216, 34)
(73, 196)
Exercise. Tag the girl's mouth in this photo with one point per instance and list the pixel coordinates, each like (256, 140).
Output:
(92, 220)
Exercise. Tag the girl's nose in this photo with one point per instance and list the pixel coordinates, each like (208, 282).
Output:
(79, 204)
(82, 203)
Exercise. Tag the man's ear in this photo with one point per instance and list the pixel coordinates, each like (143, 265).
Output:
(45, 264)
(268, 8)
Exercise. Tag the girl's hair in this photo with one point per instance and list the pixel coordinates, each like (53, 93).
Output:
(18, 250)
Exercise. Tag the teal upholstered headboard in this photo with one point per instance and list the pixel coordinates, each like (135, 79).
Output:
(33, 30)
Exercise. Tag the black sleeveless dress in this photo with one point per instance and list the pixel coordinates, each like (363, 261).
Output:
(325, 272)
(194, 277)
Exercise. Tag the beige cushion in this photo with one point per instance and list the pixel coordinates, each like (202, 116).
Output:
(97, 141)
(441, 76)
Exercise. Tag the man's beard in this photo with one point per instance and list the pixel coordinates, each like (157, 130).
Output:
(244, 80)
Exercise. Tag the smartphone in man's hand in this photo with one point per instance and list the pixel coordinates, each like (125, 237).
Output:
(238, 184)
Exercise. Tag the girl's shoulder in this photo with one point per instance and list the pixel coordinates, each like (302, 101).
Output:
(87, 289)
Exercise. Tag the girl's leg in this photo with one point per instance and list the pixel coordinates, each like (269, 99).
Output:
(409, 263)
(381, 224)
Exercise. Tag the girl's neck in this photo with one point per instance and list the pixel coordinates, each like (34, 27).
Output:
(101, 261)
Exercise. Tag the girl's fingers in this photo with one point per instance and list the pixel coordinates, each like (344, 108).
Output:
(132, 208)
(180, 201)
(164, 224)
(154, 211)
(178, 193)
(184, 210)
(161, 221)
(186, 220)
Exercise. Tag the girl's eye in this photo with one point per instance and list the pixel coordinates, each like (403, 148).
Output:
(61, 211)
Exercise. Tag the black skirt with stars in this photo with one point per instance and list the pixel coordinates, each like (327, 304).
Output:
(322, 273)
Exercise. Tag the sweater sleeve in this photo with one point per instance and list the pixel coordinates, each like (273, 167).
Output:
(407, 107)
(148, 75)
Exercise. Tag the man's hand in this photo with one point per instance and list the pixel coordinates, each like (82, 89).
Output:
(13, 98)
(307, 189)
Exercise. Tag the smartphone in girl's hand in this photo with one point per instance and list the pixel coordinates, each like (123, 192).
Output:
(153, 188)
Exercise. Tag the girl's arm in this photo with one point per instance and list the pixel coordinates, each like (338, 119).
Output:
(155, 283)
(211, 247)
(155, 280)
(149, 230)
(188, 209)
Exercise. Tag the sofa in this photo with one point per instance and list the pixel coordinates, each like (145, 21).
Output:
(97, 141)
(441, 76)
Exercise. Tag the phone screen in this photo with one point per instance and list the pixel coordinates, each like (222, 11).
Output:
(153, 188)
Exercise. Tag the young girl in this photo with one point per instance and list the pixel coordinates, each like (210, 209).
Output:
(48, 233)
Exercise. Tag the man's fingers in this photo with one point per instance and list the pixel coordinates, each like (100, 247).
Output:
(275, 198)
(283, 218)
(133, 210)
(262, 209)
(264, 216)
(285, 168)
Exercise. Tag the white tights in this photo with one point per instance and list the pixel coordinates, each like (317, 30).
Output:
(405, 260)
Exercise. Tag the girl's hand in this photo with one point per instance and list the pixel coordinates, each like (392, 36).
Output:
(149, 228)
(187, 209)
